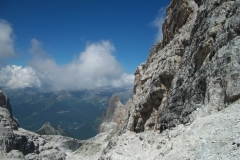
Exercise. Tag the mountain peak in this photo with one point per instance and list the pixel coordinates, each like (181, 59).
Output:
(48, 129)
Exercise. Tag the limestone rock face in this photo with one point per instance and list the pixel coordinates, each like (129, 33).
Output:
(17, 143)
(153, 78)
(194, 70)
(186, 97)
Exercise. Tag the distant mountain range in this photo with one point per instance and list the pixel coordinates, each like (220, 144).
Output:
(77, 112)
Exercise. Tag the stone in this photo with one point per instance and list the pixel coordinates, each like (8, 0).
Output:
(115, 116)
(193, 70)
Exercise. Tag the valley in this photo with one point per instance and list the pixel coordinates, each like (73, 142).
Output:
(77, 112)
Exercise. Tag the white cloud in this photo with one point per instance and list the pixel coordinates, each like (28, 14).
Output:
(36, 49)
(94, 67)
(6, 40)
(18, 77)
(124, 80)
(158, 21)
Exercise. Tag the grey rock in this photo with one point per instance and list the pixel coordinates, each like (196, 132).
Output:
(194, 70)
(214, 136)
(15, 154)
(6, 118)
(115, 116)
(93, 147)
(17, 143)
(65, 144)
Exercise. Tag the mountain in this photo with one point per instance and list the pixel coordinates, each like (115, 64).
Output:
(114, 116)
(48, 129)
(18, 143)
(185, 103)
(77, 112)
(186, 96)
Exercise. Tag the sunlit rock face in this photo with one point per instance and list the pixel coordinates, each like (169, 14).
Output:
(186, 97)
(194, 70)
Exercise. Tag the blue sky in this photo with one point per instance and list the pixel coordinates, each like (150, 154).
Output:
(68, 36)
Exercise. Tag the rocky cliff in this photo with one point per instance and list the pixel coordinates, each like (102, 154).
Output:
(17, 143)
(194, 70)
(186, 97)
(115, 116)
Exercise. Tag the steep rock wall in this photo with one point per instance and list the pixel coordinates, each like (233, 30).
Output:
(194, 70)
(188, 90)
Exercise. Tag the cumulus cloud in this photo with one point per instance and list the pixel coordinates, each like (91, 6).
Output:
(18, 77)
(158, 21)
(95, 67)
(36, 48)
(124, 79)
(6, 40)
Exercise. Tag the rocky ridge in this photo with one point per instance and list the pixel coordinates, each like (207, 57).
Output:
(115, 116)
(17, 143)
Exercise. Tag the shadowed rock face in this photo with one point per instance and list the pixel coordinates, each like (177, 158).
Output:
(6, 118)
(194, 70)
